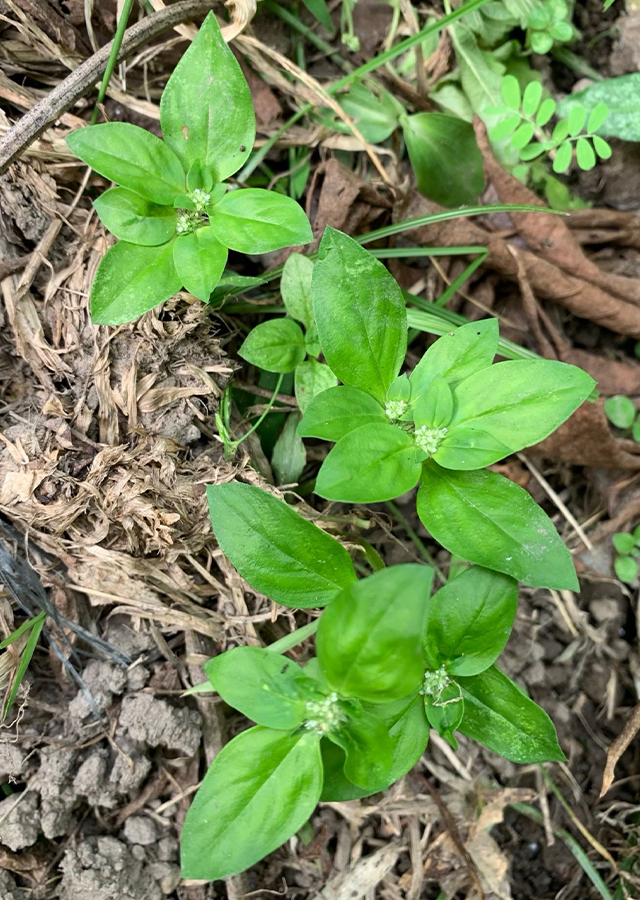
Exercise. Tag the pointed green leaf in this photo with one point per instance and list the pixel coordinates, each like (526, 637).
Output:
(258, 221)
(289, 456)
(368, 639)
(206, 110)
(265, 686)
(368, 749)
(469, 621)
(131, 280)
(457, 355)
(260, 789)
(435, 407)
(335, 412)
(295, 287)
(132, 157)
(199, 259)
(360, 314)
(278, 552)
(487, 519)
(498, 714)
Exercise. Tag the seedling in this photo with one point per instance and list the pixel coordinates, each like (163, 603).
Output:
(392, 660)
(627, 547)
(621, 412)
(172, 211)
(549, 23)
(440, 425)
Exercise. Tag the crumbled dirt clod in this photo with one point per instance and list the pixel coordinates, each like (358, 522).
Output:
(155, 722)
(19, 821)
(105, 869)
(140, 830)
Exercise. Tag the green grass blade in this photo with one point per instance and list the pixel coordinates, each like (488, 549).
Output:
(20, 631)
(36, 628)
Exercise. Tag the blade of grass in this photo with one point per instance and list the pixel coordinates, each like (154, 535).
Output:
(113, 56)
(36, 627)
(19, 631)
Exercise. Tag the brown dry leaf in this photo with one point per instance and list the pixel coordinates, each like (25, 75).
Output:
(337, 197)
(362, 878)
(586, 440)
(547, 280)
(617, 748)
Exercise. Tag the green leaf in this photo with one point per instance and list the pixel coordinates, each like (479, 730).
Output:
(131, 157)
(597, 117)
(445, 711)
(199, 259)
(289, 456)
(360, 314)
(626, 568)
(311, 379)
(506, 127)
(585, 157)
(276, 345)
(373, 110)
(278, 552)
(541, 42)
(635, 431)
(531, 98)
(487, 519)
(199, 177)
(560, 131)
(561, 31)
(206, 110)
(445, 157)
(34, 626)
(265, 686)
(336, 412)
(523, 135)
(562, 159)
(368, 639)
(517, 403)
(498, 714)
(258, 221)
(131, 280)
(410, 736)
(510, 90)
(534, 150)
(620, 411)
(312, 344)
(457, 355)
(469, 621)
(623, 543)
(320, 10)
(435, 407)
(620, 96)
(261, 788)
(576, 120)
(547, 109)
(601, 147)
(368, 749)
(375, 462)
(132, 218)
(295, 287)
(336, 786)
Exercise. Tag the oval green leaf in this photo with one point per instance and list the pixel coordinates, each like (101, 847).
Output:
(487, 519)
(264, 784)
(279, 553)
(276, 346)
(258, 221)
(199, 259)
(136, 220)
(336, 412)
(457, 355)
(132, 157)
(311, 379)
(295, 287)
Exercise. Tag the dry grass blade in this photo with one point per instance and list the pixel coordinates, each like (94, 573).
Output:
(617, 748)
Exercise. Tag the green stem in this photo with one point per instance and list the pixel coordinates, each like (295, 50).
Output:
(113, 56)
(307, 33)
(375, 63)
(235, 444)
(294, 638)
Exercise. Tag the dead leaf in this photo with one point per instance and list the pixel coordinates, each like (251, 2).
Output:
(617, 748)
(364, 876)
(337, 197)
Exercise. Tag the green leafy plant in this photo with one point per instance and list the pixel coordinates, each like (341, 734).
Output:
(525, 116)
(549, 23)
(440, 425)
(172, 211)
(281, 345)
(392, 661)
(619, 95)
(621, 412)
(627, 547)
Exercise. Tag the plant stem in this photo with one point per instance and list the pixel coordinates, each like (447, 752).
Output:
(113, 56)
(235, 444)
(294, 638)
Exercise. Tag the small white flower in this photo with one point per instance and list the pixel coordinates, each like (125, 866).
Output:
(429, 439)
(395, 408)
(324, 715)
(199, 198)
